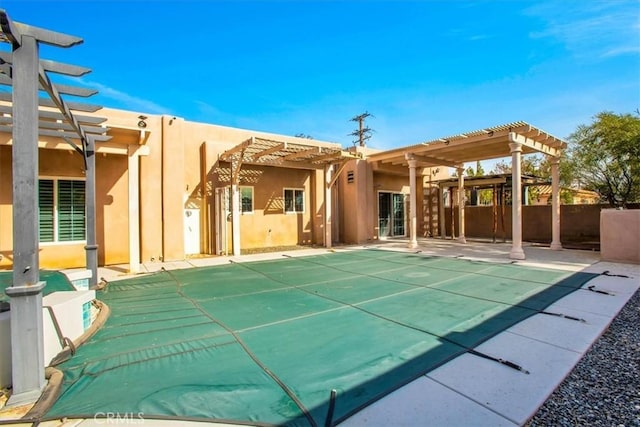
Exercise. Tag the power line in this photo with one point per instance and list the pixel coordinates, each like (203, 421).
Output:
(363, 133)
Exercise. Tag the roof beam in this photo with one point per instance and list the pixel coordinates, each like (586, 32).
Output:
(303, 153)
(268, 151)
(43, 102)
(59, 134)
(59, 125)
(240, 147)
(435, 161)
(52, 66)
(534, 145)
(328, 156)
(65, 89)
(55, 115)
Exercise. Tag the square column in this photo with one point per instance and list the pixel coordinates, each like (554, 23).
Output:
(328, 178)
(516, 198)
(235, 219)
(413, 223)
(133, 169)
(91, 248)
(461, 196)
(556, 245)
(441, 218)
(27, 337)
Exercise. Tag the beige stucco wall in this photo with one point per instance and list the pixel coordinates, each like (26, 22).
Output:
(358, 200)
(111, 208)
(184, 160)
(620, 235)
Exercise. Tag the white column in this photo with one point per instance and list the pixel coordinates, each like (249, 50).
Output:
(461, 197)
(556, 245)
(516, 198)
(441, 218)
(134, 208)
(413, 243)
(328, 176)
(235, 218)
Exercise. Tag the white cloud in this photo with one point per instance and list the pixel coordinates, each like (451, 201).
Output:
(593, 30)
(127, 101)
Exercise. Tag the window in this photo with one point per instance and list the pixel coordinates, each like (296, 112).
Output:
(293, 200)
(61, 210)
(245, 199)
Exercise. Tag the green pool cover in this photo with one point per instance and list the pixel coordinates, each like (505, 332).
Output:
(55, 282)
(266, 342)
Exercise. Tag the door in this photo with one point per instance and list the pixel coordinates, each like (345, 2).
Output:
(384, 214)
(398, 214)
(391, 214)
(191, 231)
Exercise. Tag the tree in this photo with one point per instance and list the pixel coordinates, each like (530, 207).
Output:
(540, 167)
(484, 195)
(605, 157)
(479, 171)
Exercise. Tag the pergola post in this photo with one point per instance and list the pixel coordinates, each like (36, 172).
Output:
(555, 205)
(461, 196)
(235, 218)
(27, 342)
(133, 159)
(413, 223)
(441, 218)
(516, 198)
(328, 179)
(91, 248)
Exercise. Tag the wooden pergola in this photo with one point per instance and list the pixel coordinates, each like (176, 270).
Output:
(296, 153)
(513, 139)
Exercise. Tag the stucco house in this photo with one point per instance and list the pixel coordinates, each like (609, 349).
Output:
(168, 188)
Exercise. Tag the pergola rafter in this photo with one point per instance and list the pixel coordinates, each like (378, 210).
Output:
(267, 152)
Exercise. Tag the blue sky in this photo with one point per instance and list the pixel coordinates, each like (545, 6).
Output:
(424, 69)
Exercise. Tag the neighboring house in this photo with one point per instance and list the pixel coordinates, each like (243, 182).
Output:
(168, 189)
(578, 196)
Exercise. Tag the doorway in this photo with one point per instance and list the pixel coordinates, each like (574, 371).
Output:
(391, 214)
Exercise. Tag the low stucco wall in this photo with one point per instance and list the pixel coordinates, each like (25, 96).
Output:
(620, 235)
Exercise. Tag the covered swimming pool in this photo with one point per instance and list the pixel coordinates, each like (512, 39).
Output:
(267, 342)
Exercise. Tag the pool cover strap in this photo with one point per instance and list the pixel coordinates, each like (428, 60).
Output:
(265, 343)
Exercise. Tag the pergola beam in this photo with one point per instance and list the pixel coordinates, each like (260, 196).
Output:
(64, 89)
(55, 115)
(43, 102)
(52, 66)
(269, 151)
(240, 147)
(58, 134)
(534, 145)
(303, 153)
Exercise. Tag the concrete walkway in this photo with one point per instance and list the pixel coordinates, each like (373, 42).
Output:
(469, 390)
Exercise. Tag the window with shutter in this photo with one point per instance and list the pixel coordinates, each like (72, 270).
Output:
(46, 210)
(62, 210)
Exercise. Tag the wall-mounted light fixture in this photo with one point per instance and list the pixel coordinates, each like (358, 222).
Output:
(142, 124)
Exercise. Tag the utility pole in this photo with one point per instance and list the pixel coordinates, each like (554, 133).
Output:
(363, 133)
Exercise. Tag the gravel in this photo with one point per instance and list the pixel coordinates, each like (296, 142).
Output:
(604, 387)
